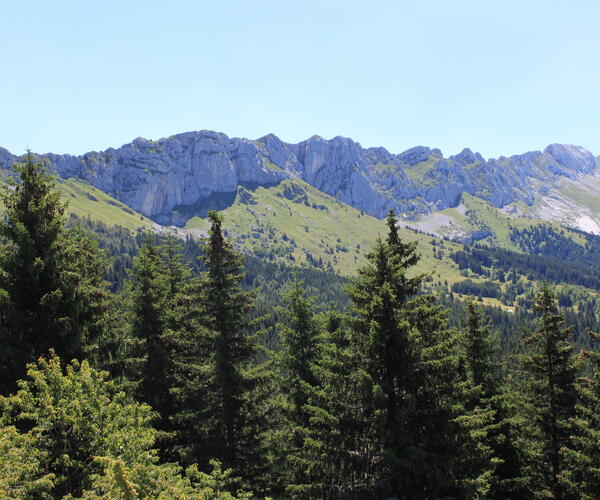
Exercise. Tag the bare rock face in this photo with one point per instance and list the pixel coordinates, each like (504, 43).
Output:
(574, 159)
(174, 178)
(167, 179)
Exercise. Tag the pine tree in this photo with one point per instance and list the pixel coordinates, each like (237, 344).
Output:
(52, 292)
(549, 386)
(487, 418)
(583, 454)
(411, 368)
(223, 392)
(158, 279)
(301, 341)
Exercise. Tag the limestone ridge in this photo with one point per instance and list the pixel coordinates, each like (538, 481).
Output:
(173, 178)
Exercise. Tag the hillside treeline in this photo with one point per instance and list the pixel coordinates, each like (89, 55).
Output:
(167, 388)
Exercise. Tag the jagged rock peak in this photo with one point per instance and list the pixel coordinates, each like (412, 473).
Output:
(467, 157)
(173, 178)
(572, 157)
(415, 155)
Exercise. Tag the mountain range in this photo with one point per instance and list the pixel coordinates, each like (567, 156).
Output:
(176, 178)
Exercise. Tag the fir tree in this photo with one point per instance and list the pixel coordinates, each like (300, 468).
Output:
(583, 454)
(223, 394)
(158, 278)
(410, 371)
(487, 418)
(549, 386)
(338, 447)
(52, 293)
(300, 351)
(481, 352)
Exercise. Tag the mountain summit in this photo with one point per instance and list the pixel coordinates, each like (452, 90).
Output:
(174, 178)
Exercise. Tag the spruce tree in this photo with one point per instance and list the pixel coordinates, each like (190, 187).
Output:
(481, 352)
(410, 372)
(158, 278)
(301, 339)
(223, 393)
(583, 454)
(149, 306)
(487, 418)
(338, 445)
(226, 312)
(550, 371)
(196, 401)
(52, 292)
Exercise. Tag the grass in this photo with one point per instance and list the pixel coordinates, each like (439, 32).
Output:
(476, 214)
(85, 200)
(292, 221)
(585, 195)
(315, 224)
(416, 173)
(484, 215)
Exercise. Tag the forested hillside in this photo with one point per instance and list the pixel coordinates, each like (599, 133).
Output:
(140, 365)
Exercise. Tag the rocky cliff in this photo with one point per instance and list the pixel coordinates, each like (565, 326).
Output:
(173, 178)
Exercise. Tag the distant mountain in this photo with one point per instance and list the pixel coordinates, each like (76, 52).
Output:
(277, 211)
(176, 178)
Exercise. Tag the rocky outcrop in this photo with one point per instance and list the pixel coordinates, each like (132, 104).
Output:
(173, 178)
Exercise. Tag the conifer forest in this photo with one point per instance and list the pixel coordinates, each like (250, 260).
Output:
(147, 366)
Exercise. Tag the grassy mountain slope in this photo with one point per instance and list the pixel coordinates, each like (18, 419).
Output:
(87, 201)
(295, 223)
(476, 220)
(473, 219)
(574, 202)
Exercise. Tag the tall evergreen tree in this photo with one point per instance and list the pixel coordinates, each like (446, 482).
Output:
(549, 386)
(224, 397)
(338, 447)
(158, 278)
(301, 341)
(583, 454)
(488, 413)
(411, 367)
(481, 352)
(52, 293)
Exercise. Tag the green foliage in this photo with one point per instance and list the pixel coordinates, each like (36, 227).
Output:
(160, 482)
(81, 437)
(583, 454)
(157, 281)
(339, 426)
(223, 393)
(377, 395)
(52, 294)
(409, 372)
(73, 415)
(21, 475)
(548, 407)
(301, 345)
(494, 455)
(479, 259)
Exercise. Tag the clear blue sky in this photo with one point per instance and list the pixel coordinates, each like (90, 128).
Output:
(501, 77)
